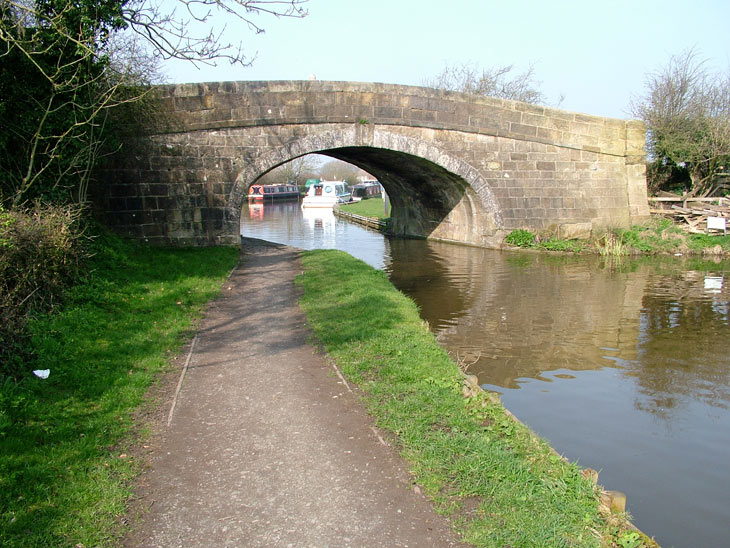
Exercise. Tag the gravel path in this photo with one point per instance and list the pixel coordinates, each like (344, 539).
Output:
(267, 446)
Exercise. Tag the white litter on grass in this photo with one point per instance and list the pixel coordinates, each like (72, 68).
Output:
(42, 373)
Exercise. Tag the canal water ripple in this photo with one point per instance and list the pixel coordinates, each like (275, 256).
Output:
(624, 366)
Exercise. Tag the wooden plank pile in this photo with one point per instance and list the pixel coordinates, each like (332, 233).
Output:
(693, 211)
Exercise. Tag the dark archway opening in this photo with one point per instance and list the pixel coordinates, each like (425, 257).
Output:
(433, 194)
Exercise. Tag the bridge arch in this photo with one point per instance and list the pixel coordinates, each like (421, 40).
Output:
(434, 194)
(458, 167)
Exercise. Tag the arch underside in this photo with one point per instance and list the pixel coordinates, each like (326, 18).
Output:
(433, 195)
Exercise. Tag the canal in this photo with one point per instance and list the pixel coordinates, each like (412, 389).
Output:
(623, 366)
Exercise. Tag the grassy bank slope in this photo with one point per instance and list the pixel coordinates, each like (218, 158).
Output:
(64, 473)
(372, 207)
(500, 485)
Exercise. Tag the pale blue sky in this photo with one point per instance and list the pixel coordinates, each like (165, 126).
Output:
(595, 53)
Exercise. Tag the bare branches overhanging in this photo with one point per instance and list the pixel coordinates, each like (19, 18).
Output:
(187, 32)
(65, 65)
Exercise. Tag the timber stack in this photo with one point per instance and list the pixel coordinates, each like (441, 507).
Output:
(701, 215)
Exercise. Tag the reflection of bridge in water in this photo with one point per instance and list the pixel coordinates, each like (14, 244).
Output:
(646, 343)
(520, 315)
(637, 360)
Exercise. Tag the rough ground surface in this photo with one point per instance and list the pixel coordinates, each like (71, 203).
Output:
(267, 446)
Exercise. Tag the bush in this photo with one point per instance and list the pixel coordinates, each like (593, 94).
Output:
(521, 238)
(40, 256)
(562, 245)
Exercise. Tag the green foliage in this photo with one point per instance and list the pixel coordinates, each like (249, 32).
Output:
(521, 238)
(638, 238)
(630, 539)
(555, 244)
(64, 474)
(657, 236)
(65, 64)
(687, 116)
(461, 450)
(527, 239)
(372, 207)
(704, 241)
(41, 256)
(51, 83)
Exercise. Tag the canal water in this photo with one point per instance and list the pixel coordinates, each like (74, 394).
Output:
(623, 366)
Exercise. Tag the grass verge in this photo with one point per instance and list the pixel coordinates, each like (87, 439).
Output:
(372, 207)
(64, 473)
(500, 485)
(658, 236)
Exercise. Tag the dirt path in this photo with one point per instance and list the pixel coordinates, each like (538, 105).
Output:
(267, 446)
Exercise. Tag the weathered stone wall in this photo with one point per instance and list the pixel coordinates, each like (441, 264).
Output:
(457, 167)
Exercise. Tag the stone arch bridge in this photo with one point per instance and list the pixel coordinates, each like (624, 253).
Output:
(457, 167)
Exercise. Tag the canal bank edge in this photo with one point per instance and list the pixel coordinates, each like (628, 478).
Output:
(612, 503)
(368, 222)
(657, 236)
(376, 367)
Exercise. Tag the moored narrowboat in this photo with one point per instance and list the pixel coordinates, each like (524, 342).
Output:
(365, 190)
(259, 193)
(326, 194)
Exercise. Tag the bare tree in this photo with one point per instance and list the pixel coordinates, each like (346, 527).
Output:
(337, 170)
(194, 30)
(296, 171)
(64, 65)
(687, 113)
(500, 81)
(53, 125)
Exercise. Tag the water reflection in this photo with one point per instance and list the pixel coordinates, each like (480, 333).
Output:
(517, 316)
(498, 310)
(623, 366)
(684, 343)
(313, 228)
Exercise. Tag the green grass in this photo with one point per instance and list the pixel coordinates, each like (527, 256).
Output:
(500, 485)
(704, 241)
(658, 236)
(64, 476)
(557, 244)
(527, 239)
(521, 238)
(372, 207)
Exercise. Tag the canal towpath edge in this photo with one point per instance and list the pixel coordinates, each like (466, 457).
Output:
(267, 444)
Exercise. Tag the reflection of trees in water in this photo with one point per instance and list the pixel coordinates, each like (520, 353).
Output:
(523, 315)
(683, 347)
(520, 314)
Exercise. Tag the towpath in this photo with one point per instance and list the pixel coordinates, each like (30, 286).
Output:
(267, 447)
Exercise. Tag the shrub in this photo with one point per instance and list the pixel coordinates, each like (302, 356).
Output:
(521, 238)
(40, 256)
(562, 245)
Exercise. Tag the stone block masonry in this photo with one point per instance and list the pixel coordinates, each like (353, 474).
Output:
(457, 167)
